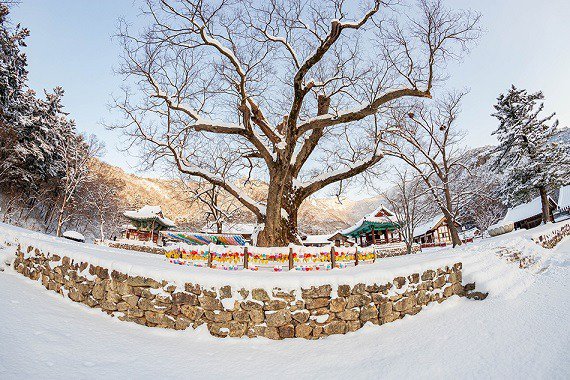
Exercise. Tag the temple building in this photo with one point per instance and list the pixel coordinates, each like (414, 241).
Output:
(146, 224)
(435, 232)
(337, 239)
(378, 227)
(528, 215)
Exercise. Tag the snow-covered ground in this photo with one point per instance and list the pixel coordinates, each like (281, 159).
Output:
(520, 331)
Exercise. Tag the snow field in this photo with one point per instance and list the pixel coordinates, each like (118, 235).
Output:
(519, 331)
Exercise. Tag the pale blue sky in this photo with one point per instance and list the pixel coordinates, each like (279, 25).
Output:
(526, 42)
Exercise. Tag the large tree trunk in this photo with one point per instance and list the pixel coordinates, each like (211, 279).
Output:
(545, 205)
(281, 213)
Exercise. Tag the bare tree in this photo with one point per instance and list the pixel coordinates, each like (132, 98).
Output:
(407, 199)
(220, 206)
(102, 196)
(427, 139)
(287, 78)
(76, 152)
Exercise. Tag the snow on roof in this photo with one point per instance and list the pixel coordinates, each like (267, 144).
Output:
(148, 213)
(318, 239)
(564, 197)
(371, 217)
(429, 225)
(524, 211)
(74, 235)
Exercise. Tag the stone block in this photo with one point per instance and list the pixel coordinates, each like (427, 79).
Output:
(272, 333)
(337, 305)
(399, 282)
(225, 292)
(349, 315)
(286, 331)
(303, 330)
(260, 295)
(210, 303)
(237, 329)
(343, 290)
(278, 318)
(256, 315)
(428, 275)
(316, 292)
(359, 289)
(192, 312)
(143, 282)
(301, 316)
(335, 327)
(274, 305)
(317, 303)
(368, 313)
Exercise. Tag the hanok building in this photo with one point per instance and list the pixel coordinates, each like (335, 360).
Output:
(378, 227)
(146, 224)
(337, 239)
(434, 232)
(529, 215)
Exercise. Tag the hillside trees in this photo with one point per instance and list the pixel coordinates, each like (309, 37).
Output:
(533, 160)
(280, 81)
(76, 153)
(43, 159)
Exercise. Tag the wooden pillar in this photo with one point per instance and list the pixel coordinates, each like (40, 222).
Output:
(356, 257)
(245, 258)
(373, 236)
(290, 258)
(209, 256)
(333, 259)
(386, 235)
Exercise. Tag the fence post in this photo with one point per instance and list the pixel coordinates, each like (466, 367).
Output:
(290, 258)
(333, 259)
(245, 258)
(356, 256)
(209, 255)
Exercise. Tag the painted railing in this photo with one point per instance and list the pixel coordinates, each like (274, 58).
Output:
(279, 259)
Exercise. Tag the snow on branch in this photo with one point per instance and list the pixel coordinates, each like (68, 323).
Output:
(186, 167)
(325, 179)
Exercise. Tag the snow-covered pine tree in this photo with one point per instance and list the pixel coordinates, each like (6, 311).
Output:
(528, 152)
(13, 73)
(14, 95)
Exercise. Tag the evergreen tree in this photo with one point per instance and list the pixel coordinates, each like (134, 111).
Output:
(13, 73)
(528, 152)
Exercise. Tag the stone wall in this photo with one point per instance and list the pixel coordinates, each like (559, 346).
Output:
(276, 314)
(395, 249)
(137, 247)
(550, 240)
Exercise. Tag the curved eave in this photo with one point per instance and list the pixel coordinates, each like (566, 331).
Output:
(367, 226)
(156, 219)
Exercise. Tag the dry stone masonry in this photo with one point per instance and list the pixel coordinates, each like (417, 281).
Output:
(310, 313)
(136, 247)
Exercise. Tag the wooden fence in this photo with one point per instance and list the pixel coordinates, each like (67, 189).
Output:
(278, 259)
